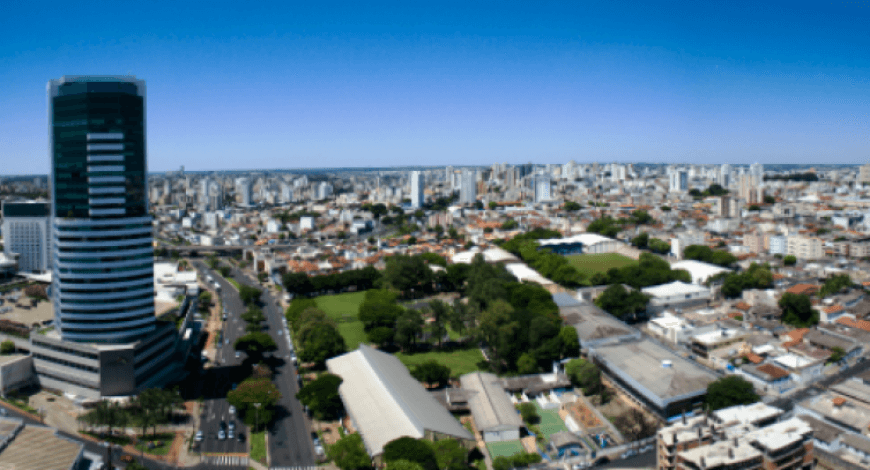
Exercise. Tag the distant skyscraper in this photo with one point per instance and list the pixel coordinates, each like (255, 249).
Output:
(542, 188)
(679, 181)
(103, 268)
(417, 186)
(756, 170)
(244, 193)
(324, 190)
(724, 179)
(468, 188)
(27, 233)
(864, 174)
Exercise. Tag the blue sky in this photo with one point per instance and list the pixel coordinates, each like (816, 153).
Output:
(236, 85)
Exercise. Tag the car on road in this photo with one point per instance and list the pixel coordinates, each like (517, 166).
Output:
(221, 435)
(230, 434)
(198, 437)
(232, 426)
(280, 332)
(233, 408)
(238, 354)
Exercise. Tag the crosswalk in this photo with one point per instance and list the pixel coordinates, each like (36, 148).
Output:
(227, 460)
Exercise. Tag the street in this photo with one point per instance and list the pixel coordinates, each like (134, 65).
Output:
(289, 436)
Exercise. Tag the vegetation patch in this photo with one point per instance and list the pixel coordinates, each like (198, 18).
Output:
(258, 446)
(592, 263)
(460, 361)
(504, 448)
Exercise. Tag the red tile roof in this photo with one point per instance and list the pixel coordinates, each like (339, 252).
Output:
(803, 289)
(773, 371)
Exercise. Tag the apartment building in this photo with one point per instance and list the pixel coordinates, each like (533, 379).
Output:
(805, 247)
(754, 242)
(740, 437)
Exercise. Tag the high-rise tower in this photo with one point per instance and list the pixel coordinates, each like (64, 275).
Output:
(417, 187)
(103, 268)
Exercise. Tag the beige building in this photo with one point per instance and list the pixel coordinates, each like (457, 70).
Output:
(864, 173)
(754, 242)
(805, 247)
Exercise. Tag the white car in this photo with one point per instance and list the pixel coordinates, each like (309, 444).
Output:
(230, 434)
(221, 435)
(238, 354)
(280, 332)
(198, 437)
(232, 425)
(232, 412)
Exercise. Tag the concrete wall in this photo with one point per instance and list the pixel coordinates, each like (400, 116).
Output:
(16, 373)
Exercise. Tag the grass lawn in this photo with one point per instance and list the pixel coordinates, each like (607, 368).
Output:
(164, 439)
(235, 283)
(550, 422)
(258, 446)
(592, 263)
(343, 308)
(460, 361)
(504, 448)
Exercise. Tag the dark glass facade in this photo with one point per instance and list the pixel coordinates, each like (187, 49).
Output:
(80, 109)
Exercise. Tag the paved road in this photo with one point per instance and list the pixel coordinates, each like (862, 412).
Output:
(787, 403)
(289, 436)
(218, 380)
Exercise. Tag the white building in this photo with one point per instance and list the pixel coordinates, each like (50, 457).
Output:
(676, 295)
(468, 187)
(243, 192)
(542, 188)
(26, 232)
(324, 190)
(679, 181)
(699, 271)
(417, 187)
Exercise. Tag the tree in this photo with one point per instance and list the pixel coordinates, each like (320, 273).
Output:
(432, 372)
(835, 284)
(408, 274)
(320, 341)
(571, 206)
(641, 241)
(620, 303)
(382, 336)
(728, 391)
(526, 364)
(797, 310)
(570, 342)
(251, 392)
(409, 325)
(297, 283)
(492, 205)
(255, 345)
(322, 398)
(768, 199)
(405, 465)
(789, 260)
(349, 453)
(708, 255)
(410, 449)
(440, 312)
(510, 224)
(529, 413)
(634, 425)
(584, 374)
(249, 295)
(450, 454)
(7, 347)
(496, 329)
(837, 355)
(657, 245)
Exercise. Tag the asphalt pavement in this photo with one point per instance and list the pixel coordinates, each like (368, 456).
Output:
(219, 379)
(290, 441)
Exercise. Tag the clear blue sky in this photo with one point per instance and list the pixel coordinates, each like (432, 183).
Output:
(234, 85)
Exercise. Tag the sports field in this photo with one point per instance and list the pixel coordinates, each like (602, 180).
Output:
(343, 308)
(592, 263)
(460, 361)
(505, 448)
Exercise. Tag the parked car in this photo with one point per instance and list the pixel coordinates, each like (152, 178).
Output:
(221, 435)
(198, 437)
(233, 408)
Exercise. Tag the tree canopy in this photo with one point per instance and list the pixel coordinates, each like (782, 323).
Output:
(797, 310)
(412, 450)
(251, 392)
(349, 453)
(708, 255)
(728, 391)
(322, 398)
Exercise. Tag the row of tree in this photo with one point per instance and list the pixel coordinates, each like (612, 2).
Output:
(655, 245)
(354, 279)
(550, 265)
(151, 408)
(651, 270)
(404, 453)
(708, 255)
(757, 276)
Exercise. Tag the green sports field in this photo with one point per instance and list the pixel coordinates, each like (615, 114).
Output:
(460, 361)
(343, 308)
(590, 264)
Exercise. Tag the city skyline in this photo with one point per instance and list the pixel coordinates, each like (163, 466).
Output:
(272, 86)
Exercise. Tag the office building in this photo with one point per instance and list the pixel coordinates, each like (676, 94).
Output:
(417, 186)
(864, 173)
(468, 187)
(542, 188)
(103, 267)
(27, 234)
(324, 190)
(105, 339)
(724, 179)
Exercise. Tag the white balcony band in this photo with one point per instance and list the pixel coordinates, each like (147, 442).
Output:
(93, 169)
(120, 211)
(107, 190)
(105, 158)
(105, 179)
(97, 147)
(106, 201)
(105, 136)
